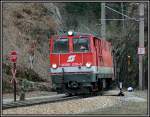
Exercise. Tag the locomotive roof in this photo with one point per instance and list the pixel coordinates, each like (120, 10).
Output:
(64, 35)
(76, 34)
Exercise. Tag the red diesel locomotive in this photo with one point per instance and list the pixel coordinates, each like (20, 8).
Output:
(80, 63)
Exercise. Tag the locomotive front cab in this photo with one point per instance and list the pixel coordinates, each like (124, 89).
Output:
(72, 62)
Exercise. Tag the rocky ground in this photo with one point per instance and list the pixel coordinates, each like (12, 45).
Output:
(132, 103)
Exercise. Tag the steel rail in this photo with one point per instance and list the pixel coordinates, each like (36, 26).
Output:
(36, 102)
(52, 99)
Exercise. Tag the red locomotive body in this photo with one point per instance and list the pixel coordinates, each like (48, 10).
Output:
(80, 63)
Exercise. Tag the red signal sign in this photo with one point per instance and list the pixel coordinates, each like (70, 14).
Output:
(13, 56)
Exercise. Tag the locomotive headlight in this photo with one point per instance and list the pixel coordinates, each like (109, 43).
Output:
(54, 66)
(88, 65)
(70, 32)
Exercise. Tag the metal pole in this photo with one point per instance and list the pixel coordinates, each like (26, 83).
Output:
(122, 36)
(14, 82)
(103, 22)
(122, 21)
(141, 44)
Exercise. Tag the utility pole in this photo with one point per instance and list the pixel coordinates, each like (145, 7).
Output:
(103, 22)
(122, 36)
(123, 20)
(103, 30)
(141, 44)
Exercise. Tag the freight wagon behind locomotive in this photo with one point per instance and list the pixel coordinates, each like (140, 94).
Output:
(80, 63)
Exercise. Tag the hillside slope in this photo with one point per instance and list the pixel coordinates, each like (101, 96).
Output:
(24, 23)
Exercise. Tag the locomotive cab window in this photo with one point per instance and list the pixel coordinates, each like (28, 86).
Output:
(61, 46)
(81, 45)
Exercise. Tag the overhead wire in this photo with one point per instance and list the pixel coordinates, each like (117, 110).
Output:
(121, 13)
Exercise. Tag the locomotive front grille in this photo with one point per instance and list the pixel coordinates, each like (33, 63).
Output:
(81, 69)
(89, 77)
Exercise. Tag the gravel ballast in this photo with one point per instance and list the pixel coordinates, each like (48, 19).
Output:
(68, 107)
(132, 102)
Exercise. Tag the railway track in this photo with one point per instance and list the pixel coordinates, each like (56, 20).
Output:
(48, 99)
(40, 100)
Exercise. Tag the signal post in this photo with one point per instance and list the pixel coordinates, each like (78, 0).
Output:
(13, 59)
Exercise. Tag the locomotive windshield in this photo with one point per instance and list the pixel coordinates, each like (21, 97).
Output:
(61, 46)
(81, 44)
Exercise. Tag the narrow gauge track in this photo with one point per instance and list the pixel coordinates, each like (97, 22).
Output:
(37, 101)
